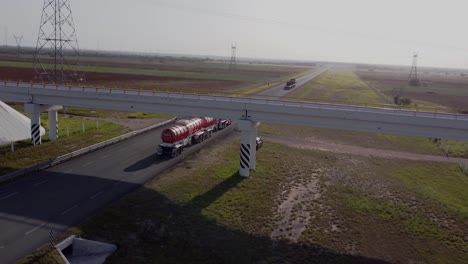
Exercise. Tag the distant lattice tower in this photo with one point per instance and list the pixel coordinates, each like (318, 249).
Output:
(57, 52)
(232, 64)
(413, 79)
(19, 40)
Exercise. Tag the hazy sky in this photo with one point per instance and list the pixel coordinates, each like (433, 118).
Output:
(369, 31)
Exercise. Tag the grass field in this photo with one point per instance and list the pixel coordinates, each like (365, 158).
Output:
(354, 209)
(338, 87)
(347, 88)
(438, 90)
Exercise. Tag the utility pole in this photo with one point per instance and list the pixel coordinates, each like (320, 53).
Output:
(232, 64)
(57, 40)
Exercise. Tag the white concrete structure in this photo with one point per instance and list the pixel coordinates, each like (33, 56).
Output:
(83, 251)
(357, 118)
(14, 126)
(35, 110)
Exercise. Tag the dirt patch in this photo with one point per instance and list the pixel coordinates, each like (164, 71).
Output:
(362, 151)
(292, 213)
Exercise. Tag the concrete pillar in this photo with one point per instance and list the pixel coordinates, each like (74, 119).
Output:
(248, 152)
(36, 128)
(53, 125)
(35, 110)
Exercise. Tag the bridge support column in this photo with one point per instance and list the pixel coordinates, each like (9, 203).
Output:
(36, 128)
(53, 125)
(35, 110)
(248, 151)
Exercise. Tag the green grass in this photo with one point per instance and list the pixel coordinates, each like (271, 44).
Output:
(76, 111)
(26, 155)
(445, 185)
(339, 87)
(410, 219)
(42, 256)
(201, 211)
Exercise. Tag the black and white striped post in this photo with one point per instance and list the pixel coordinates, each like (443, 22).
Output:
(53, 125)
(36, 128)
(248, 152)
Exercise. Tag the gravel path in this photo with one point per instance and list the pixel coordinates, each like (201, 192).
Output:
(355, 150)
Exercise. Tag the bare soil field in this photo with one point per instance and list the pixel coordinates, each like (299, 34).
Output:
(136, 81)
(449, 90)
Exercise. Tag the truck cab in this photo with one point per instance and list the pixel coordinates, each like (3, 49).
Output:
(290, 84)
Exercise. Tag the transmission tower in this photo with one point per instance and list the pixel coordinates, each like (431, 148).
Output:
(6, 37)
(57, 52)
(413, 79)
(18, 40)
(232, 64)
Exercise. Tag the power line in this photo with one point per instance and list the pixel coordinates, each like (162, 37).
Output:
(309, 27)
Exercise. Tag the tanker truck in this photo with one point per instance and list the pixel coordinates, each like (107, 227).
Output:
(187, 132)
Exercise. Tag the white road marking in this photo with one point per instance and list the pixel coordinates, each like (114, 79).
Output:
(86, 164)
(8, 196)
(96, 195)
(34, 229)
(39, 183)
(105, 156)
(2, 247)
(68, 171)
(69, 209)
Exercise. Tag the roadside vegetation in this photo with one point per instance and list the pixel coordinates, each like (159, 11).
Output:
(75, 138)
(312, 205)
(337, 87)
(346, 87)
(370, 140)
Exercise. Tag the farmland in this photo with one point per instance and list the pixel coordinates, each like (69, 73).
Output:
(163, 74)
(439, 87)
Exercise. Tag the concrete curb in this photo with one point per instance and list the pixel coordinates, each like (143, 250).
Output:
(80, 152)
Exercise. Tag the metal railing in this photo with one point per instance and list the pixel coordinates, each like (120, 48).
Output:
(225, 97)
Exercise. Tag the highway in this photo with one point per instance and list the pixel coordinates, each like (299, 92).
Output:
(62, 196)
(279, 91)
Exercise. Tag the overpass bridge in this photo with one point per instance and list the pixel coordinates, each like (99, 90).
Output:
(249, 111)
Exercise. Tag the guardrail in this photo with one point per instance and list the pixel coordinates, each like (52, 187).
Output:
(80, 152)
(228, 97)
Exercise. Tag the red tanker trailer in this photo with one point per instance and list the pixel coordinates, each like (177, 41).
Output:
(187, 132)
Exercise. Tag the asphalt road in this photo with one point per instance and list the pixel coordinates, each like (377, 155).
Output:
(64, 195)
(279, 91)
